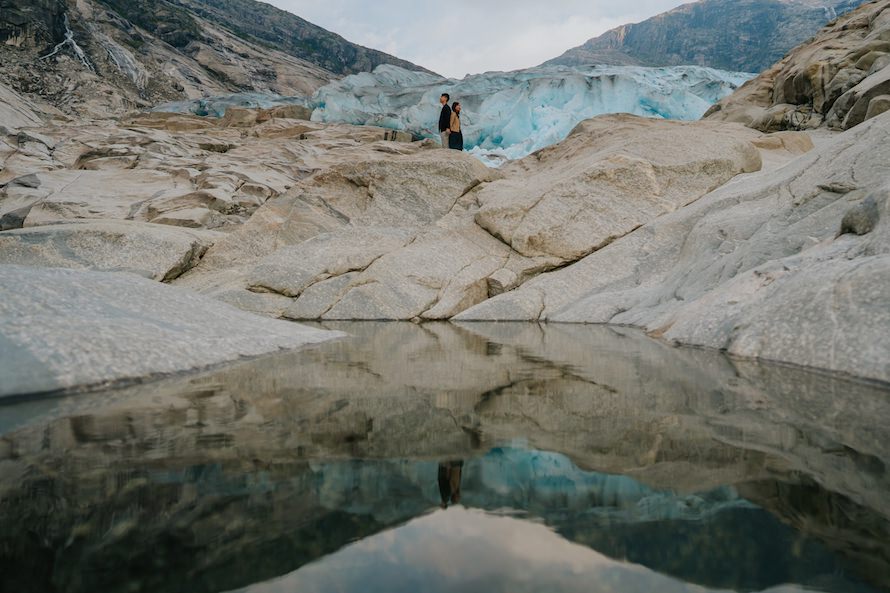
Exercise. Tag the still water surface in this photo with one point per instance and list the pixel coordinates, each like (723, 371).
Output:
(440, 458)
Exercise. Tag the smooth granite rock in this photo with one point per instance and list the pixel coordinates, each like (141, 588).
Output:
(399, 226)
(757, 267)
(15, 111)
(150, 250)
(612, 174)
(69, 330)
(421, 234)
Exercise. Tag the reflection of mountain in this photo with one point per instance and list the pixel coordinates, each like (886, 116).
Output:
(471, 551)
(243, 474)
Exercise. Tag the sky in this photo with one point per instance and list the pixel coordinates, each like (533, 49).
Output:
(460, 37)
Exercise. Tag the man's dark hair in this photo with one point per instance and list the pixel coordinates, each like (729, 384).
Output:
(447, 96)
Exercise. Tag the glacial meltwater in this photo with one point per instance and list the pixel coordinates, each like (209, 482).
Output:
(454, 458)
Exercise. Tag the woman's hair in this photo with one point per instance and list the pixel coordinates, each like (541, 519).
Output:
(456, 103)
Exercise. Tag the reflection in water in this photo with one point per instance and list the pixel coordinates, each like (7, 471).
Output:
(588, 455)
(449, 482)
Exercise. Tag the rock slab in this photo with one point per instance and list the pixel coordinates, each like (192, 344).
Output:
(66, 330)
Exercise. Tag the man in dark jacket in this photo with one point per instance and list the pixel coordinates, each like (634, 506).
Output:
(445, 119)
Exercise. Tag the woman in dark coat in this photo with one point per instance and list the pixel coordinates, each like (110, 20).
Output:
(456, 138)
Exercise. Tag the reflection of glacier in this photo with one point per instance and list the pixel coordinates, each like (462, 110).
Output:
(540, 483)
(506, 114)
(515, 113)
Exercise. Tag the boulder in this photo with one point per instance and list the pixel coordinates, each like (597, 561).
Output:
(877, 106)
(152, 251)
(289, 112)
(853, 107)
(136, 329)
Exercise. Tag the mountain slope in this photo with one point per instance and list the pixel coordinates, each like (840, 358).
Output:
(104, 57)
(286, 32)
(838, 79)
(737, 35)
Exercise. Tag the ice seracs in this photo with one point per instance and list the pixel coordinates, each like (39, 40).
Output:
(509, 115)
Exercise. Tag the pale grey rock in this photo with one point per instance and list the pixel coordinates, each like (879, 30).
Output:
(611, 175)
(66, 329)
(154, 168)
(152, 251)
(291, 270)
(15, 111)
(437, 275)
(63, 195)
(317, 299)
(755, 267)
(401, 228)
(31, 136)
(192, 218)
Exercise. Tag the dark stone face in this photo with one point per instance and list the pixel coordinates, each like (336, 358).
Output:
(32, 24)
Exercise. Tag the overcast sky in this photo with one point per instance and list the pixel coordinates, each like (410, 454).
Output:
(471, 36)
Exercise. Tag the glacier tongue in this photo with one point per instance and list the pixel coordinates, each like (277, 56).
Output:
(508, 115)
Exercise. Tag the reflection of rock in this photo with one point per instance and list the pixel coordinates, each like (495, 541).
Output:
(280, 428)
(64, 329)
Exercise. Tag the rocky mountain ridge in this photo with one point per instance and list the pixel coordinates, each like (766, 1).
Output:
(735, 35)
(837, 80)
(106, 57)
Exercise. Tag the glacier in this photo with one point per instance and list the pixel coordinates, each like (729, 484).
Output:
(506, 115)
(216, 106)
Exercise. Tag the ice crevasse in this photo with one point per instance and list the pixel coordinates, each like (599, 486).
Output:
(508, 115)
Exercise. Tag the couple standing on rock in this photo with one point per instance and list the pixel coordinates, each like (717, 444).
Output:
(449, 124)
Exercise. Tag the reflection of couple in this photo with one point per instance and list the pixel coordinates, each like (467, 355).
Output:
(449, 124)
(449, 482)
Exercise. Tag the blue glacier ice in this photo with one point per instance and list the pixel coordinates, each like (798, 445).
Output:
(216, 106)
(508, 115)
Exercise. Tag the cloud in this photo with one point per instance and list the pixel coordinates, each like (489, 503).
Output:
(461, 37)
